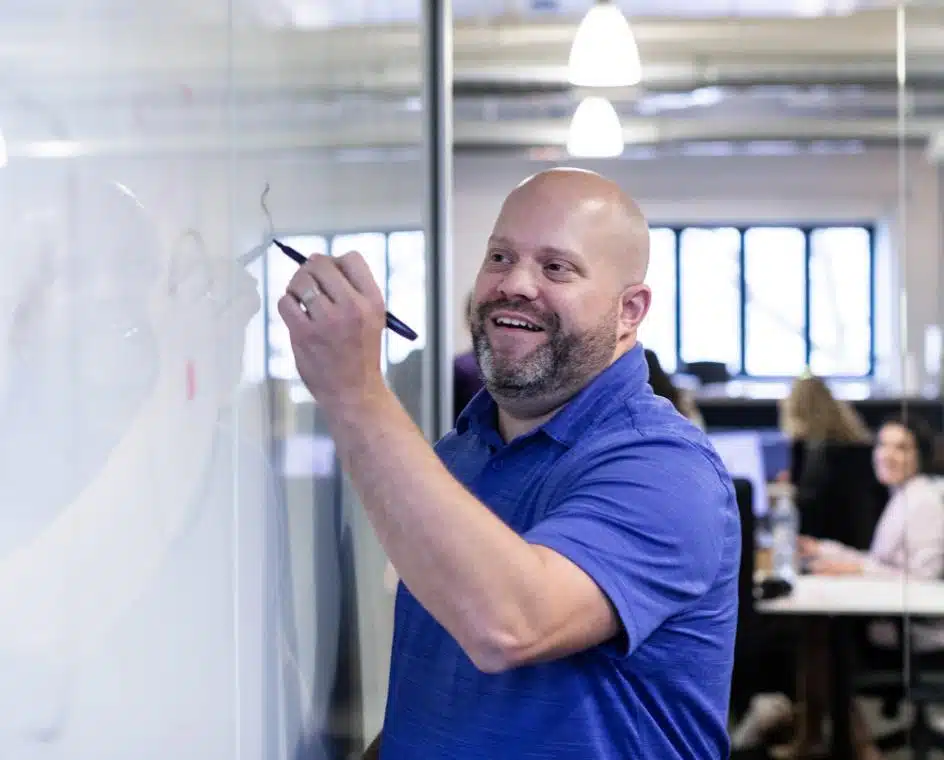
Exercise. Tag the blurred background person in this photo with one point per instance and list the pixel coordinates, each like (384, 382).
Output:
(908, 541)
(467, 378)
(662, 385)
(810, 412)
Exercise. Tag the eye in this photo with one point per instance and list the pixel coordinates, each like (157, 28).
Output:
(498, 257)
(558, 268)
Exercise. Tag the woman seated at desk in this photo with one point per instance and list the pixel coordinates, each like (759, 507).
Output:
(908, 542)
(909, 537)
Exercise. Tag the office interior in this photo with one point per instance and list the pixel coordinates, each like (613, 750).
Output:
(184, 571)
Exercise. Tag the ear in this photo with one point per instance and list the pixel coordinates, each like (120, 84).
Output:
(634, 305)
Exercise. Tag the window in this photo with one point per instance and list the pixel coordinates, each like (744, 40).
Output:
(710, 323)
(396, 259)
(840, 294)
(774, 277)
(767, 301)
(658, 330)
(406, 290)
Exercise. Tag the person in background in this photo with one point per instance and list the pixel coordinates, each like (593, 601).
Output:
(908, 542)
(909, 537)
(810, 412)
(466, 375)
(662, 385)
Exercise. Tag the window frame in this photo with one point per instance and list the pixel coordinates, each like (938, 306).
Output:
(807, 230)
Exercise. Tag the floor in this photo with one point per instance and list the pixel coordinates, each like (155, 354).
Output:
(872, 709)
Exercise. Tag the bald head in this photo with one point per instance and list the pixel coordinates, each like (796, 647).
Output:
(599, 216)
(560, 294)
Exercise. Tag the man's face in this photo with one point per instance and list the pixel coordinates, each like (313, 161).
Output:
(547, 312)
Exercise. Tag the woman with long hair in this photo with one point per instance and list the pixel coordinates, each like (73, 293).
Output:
(810, 412)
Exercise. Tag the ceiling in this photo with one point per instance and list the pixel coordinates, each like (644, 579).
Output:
(317, 13)
(116, 77)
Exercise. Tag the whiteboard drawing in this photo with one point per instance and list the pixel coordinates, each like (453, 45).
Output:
(141, 555)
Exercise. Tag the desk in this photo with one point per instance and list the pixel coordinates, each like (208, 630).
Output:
(840, 600)
(869, 597)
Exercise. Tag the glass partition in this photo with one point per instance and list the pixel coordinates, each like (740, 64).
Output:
(909, 450)
(183, 571)
(781, 155)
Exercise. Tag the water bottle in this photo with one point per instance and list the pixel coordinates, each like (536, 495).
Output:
(784, 527)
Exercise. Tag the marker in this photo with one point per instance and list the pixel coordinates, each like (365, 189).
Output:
(394, 323)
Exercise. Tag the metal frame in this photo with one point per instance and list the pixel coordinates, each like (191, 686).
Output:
(807, 230)
(437, 30)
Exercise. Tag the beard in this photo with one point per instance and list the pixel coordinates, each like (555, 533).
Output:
(553, 371)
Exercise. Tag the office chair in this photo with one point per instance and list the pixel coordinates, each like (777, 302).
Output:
(924, 689)
(708, 373)
(743, 680)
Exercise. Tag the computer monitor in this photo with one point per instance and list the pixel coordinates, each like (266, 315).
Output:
(838, 496)
(743, 455)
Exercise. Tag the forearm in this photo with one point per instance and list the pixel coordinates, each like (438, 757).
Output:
(464, 565)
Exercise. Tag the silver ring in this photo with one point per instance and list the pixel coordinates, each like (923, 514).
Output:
(308, 297)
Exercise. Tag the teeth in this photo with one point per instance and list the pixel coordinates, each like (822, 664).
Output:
(505, 321)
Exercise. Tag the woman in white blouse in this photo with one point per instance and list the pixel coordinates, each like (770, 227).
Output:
(908, 542)
(909, 537)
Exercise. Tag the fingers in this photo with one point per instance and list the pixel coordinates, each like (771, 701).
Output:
(358, 273)
(322, 275)
(807, 546)
(296, 319)
(325, 290)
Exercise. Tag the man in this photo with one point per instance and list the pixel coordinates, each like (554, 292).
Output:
(569, 553)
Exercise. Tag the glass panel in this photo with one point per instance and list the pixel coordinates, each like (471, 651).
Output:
(774, 278)
(840, 301)
(183, 573)
(373, 247)
(710, 296)
(406, 286)
(658, 330)
(279, 270)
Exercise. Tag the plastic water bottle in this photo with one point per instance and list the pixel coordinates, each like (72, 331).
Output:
(784, 527)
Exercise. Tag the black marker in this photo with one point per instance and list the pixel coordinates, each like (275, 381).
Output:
(395, 324)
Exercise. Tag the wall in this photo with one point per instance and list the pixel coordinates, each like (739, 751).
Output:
(807, 188)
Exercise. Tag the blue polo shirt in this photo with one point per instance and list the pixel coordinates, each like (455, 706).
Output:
(626, 488)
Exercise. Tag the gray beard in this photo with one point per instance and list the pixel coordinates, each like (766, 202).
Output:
(552, 372)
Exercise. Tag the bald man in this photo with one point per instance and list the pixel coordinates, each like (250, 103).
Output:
(569, 552)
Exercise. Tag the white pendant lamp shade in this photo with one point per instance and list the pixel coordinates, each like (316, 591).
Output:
(595, 130)
(604, 53)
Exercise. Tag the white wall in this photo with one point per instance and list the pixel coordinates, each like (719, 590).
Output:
(837, 188)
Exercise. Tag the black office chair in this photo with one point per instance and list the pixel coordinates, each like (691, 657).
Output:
(743, 682)
(886, 680)
(708, 373)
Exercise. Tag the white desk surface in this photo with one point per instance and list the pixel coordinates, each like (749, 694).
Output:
(819, 595)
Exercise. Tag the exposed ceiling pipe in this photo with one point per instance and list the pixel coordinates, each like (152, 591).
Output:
(408, 133)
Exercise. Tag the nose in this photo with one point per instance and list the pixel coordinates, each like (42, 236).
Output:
(519, 282)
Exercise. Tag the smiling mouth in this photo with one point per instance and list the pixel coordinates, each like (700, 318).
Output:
(516, 324)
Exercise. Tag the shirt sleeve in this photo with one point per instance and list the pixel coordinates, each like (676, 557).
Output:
(918, 551)
(647, 523)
